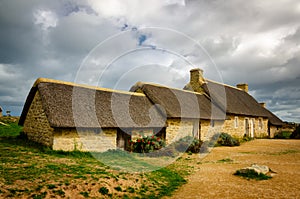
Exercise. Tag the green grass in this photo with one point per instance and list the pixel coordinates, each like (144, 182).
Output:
(9, 127)
(225, 160)
(251, 174)
(283, 135)
(42, 172)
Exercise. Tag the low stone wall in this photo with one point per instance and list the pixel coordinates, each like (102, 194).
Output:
(36, 125)
(85, 140)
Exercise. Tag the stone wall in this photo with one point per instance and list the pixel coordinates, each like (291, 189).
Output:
(36, 125)
(85, 139)
(178, 128)
(261, 131)
(273, 131)
(237, 129)
(208, 129)
(142, 132)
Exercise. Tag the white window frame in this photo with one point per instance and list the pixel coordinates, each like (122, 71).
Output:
(236, 122)
(260, 123)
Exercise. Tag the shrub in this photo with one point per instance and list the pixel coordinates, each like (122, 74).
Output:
(283, 135)
(296, 133)
(146, 144)
(188, 144)
(169, 151)
(227, 140)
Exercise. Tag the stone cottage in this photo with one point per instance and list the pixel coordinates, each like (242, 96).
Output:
(188, 113)
(67, 116)
(244, 115)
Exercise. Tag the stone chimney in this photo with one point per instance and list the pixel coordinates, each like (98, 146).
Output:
(244, 87)
(196, 81)
(263, 104)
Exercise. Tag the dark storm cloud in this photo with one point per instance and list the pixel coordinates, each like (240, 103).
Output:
(257, 42)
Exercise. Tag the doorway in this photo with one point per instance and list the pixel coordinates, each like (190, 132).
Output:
(249, 127)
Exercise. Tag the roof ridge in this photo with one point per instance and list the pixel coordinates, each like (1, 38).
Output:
(159, 85)
(46, 80)
(223, 84)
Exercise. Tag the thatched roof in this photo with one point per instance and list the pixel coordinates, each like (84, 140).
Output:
(274, 120)
(72, 105)
(179, 103)
(237, 101)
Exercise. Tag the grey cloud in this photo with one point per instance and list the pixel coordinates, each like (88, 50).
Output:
(224, 28)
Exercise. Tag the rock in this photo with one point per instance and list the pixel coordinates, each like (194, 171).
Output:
(257, 168)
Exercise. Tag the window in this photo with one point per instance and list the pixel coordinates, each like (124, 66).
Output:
(260, 123)
(236, 121)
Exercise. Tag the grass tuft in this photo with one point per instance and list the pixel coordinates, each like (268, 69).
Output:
(251, 174)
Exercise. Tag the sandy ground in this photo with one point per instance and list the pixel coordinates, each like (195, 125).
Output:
(215, 179)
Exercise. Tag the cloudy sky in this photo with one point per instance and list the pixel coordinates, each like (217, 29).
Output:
(119, 42)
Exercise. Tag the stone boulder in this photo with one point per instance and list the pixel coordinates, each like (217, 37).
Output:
(257, 168)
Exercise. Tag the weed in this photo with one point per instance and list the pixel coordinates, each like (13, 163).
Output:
(40, 196)
(85, 194)
(51, 186)
(118, 188)
(59, 192)
(130, 189)
(225, 160)
(39, 187)
(103, 190)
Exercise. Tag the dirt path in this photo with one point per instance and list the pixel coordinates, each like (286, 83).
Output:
(213, 178)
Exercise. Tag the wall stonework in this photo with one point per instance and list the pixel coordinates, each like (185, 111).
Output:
(207, 130)
(261, 132)
(85, 140)
(239, 130)
(135, 134)
(273, 131)
(36, 125)
(178, 128)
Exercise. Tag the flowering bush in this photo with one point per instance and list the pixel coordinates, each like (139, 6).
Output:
(146, 144)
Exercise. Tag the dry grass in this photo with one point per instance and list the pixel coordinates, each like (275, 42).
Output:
(213, 178)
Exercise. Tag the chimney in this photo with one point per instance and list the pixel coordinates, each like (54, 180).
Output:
(263, 104)
(244, 87)
(196, 80)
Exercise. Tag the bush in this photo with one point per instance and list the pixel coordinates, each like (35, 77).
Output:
(227, 140)
(168, 151)
(296, 133)
(188, 144)
(283, 135)
(146, 144)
